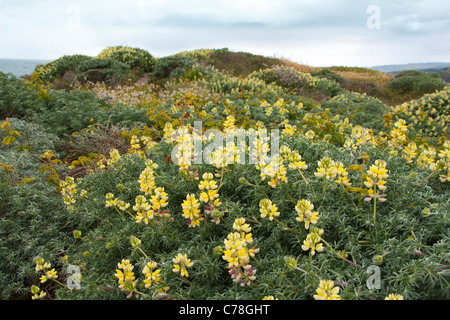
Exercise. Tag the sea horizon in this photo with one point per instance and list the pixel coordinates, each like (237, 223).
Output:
(20, 67)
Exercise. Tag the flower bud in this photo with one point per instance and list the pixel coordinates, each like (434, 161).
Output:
(242, 180)
(77, 234)
(291, 262)
(34, 289)
(130, 285)
(109, 245)
(109, 196)
(218, 250)
(377, 259)
(426, 212)
(135, 242)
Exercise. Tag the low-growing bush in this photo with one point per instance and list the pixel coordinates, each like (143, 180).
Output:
(136, 58)
(285, 77)
(361, 109)
(105, 70)
(337, 200)
(418, 82)
(330, 75)
(428, 116)
(16, 99)
(171, 67)
(56, 69)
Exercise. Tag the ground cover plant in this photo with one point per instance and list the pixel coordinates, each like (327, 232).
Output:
(205, 184)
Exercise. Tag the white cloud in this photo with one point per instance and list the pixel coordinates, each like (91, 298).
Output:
(326, 32)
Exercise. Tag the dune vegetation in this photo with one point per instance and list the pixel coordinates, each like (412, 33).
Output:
(123, 176)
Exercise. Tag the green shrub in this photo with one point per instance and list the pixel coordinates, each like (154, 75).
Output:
(56, 69)
(361, 109)
(445, 75)
(330, 75)
(16, 99)
(135, 58)
(428, 116)
(110, 71)
(285, 77)
(66, 112)
(416, 81)
(171, 67)
(326, 87)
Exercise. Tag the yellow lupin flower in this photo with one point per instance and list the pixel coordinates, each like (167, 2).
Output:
(275, 170)
(147, 181)
(326, 169)
(312, 242)
(375, 180)
(181, 262)
(152, 277)
(295, 162)
(36, 294)
(207, 183)
(142, 208)
(191, 211)
(394, 296)
(267, 208)
(127, 275)
(304, 211)
(50, 274)
(159, 199)
(327, 291)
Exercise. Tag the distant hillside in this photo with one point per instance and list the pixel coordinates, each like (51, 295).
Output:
(427, 67)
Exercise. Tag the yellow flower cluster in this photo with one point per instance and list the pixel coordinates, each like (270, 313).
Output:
(259, 149)
(168, 132)
(295, 161)
(394, 296)
(185, 149)
(114, 156)
(444, 156)
(228, 124)
(289, 130)
(312, 241)
(142, 209)
(6, 126)
(141, 145)
(362, 136)
(237, 253)
(181, 263)
(126, 279)
(158, 202)
(326, 169)
(304, 209)
(327, 291)
(147, 181)
(191, 211)
(68, 191)
(37, 295)
(152, 276)
(41, 265)
(110, 200)
(375, 179)
(275, 170)
(210, 197)
(267, 208)
(223, 157)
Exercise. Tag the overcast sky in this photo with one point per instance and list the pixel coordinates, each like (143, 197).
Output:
(313, 32)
